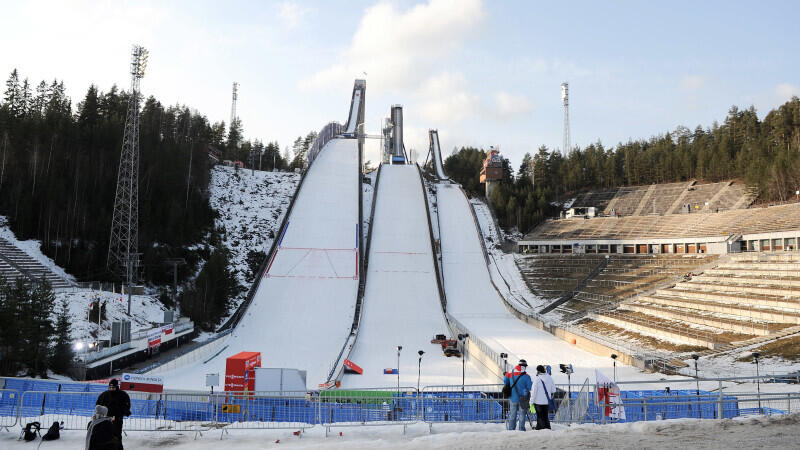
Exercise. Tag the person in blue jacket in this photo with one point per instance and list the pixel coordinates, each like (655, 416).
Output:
(520, 383)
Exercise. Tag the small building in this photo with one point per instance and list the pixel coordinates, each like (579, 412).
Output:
(492, 170)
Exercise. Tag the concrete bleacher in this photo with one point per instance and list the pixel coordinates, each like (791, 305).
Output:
(15, 263)
(728, 306)
(553, 277)
(741, 221)
(668, 198)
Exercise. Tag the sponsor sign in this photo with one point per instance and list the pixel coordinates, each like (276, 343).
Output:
(168, 328)
(154, 338)
(391, 371)
(231, 409)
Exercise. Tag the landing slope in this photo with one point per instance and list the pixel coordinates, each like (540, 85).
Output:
(401, 301)
(473, 301)
(303, 308)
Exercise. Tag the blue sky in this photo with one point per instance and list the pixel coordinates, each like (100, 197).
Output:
(483, 73)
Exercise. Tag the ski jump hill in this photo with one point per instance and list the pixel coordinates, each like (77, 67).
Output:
(325, 295)
(475, 307)
(300, 310)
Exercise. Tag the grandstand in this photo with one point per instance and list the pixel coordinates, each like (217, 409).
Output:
(15, 263)
(752, 229)
(670, 198)
(746, 299)
(677, 267)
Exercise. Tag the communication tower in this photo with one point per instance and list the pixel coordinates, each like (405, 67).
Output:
(565, 101)
(234, 97)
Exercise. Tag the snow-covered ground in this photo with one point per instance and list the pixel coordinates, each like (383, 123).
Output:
(303, 308)
(747, 432)
(251, 206)
(33, 248)
(502, 266)
(146, 310)
(401, 301)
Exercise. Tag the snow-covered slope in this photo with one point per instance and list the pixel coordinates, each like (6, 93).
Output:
(401, 301)
(251, 206)
(303, 308)
(474, 302)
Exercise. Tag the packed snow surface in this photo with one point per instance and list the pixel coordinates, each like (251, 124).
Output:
(303, 309)
(476, 304)
(748, 432)
(401, 302)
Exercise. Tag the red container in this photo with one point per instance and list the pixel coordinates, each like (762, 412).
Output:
(240, 371)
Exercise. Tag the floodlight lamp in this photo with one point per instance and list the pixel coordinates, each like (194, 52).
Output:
(756, 355)
(421, 353)
(78, 345)
(695, 357)
(613, 356)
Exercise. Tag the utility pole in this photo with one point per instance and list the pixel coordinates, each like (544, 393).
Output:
(175, 262)
(234, 98)
(125, 223)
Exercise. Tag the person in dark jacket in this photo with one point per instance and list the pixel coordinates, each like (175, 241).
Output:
(100, 433)
(118, 403)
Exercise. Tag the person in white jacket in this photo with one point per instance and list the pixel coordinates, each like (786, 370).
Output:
(543, 390)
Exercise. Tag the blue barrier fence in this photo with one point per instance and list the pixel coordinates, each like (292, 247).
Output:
(26, 398)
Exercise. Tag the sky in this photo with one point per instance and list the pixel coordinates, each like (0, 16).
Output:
(481, 72)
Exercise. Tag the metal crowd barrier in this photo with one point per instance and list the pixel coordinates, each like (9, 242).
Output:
(194, 411)
(368, 407)
(9, 407)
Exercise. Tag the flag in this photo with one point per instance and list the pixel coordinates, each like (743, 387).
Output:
(608, 393)
(91, 305)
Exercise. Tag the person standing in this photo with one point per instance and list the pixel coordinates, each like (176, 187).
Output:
(543, 390)
(520, 383)
(100, 432)
(119, 405)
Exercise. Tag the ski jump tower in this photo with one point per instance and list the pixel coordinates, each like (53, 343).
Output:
(396, 148)
(125, 223)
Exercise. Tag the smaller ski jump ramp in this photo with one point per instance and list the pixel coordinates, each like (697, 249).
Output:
(475, 303)
(436, 152)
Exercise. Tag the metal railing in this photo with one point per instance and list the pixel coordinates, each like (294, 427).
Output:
(577, 403)
(9, 407)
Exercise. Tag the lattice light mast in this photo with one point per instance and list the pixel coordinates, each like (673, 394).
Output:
(125, 223)
(234, 97)
(565, 101)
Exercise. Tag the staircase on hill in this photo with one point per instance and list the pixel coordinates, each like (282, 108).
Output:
(15, 263)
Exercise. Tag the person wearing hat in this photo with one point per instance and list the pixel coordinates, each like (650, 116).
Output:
(100, 432)
(119, 405)
(543, 390)
(520, 384)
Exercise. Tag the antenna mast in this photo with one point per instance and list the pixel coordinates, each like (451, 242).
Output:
(565, 100)
(234, 97)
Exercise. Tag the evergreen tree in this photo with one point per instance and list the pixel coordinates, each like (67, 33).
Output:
(62, 354)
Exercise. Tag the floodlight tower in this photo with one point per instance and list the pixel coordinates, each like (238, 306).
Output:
(125, 223)
(565, 101)
(234, 97)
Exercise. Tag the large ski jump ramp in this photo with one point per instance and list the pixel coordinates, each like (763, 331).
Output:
(401, 302)
(303, 309)
(474, 302)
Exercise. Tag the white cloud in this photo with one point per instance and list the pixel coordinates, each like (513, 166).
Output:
(509, 105)
(693, 82)
(785, 91)
(445, 98)
(291, 13)
(399, 49)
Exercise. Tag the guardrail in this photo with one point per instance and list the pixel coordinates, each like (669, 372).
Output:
(198, 411)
